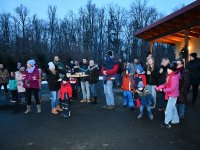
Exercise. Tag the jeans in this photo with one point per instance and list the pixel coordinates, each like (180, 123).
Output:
(148, 109)
(151, 89)
(181, 110)
(85, 89)
(93, 88)
(128, 99)
(108, 91)
(54, 100)
(171, 113)
(29, 92)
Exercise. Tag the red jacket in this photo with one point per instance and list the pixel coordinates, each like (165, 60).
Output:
(126, 83)
(65, 88)
(111, 72)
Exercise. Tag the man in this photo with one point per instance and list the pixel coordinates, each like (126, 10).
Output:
(109, 71)
(4, 77)
(183, 85)
(85, 82)
(60, 65)
(194, 72)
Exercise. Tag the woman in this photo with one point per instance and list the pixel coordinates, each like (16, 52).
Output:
(152, 74)
(54, 86)
(31, 84)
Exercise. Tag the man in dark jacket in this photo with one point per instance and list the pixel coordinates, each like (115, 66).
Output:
(183, 85)
(194, 72)
(93, 79)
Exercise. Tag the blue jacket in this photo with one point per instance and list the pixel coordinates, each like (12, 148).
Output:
(12, 84)
(146, 99)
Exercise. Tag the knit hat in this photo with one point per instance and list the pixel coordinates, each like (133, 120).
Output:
(51, 65)
(110, 53)
(129, 70)
(140, 84)
(65, 79)
(139, 67)
(22, 68)
(31, 62)
(194, 55)
(173, 66)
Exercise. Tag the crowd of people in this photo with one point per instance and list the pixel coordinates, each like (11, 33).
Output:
(147, 86)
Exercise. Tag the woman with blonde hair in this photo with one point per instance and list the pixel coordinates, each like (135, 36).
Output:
(152, 75)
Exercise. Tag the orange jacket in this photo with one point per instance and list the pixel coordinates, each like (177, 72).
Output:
(126, 83)
(67, 88)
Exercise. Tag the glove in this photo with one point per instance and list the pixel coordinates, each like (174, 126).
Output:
(27, 82)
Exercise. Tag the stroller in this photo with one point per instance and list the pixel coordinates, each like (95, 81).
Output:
(65, 106)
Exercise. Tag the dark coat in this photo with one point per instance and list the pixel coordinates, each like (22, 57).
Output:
(194, 71)
(93, 74)
(152, 79)
(52, 79)
(183, 85)
(162, 76)
(146, 99)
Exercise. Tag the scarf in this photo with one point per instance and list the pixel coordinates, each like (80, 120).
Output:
(30, 70)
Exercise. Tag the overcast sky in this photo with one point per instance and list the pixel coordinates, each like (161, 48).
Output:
(39, 7)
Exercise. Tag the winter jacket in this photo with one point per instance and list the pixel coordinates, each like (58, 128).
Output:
(30, 80)
(93, 74)
(4, 76)
(138, 78)
(126, 83)
(84, 68)
(111, 73)
(183, 85)
(19, 76)
(12, 83)
(194, 71)
(171, 87)
(146, 99)
(162, 76)
(152, 79)
(52, 79)
(65, 89)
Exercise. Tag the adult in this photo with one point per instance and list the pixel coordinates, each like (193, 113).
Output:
(54, 86)
(85, 82)
(60, 66)
(194, 72)
(93, 79)
(31, 84)
(152, 74)
(4, 77)
(134, 65)
(161, 80)
(109, 70)
(183, 85)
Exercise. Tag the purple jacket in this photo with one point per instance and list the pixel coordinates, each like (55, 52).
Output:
(30, 80)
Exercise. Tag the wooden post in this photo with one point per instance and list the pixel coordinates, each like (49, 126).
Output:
(150, 46)
(186, 41)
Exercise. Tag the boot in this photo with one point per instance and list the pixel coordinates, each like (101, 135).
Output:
(94, 100)
(53, 111)
(28, 109)
(58, 108)
(39, 108)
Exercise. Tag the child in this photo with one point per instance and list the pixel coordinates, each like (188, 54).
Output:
(146, 100)
(20, 88)
(74, 85)
(65, 95)
(12, 84)
(126, 88)
(171, 90)
(139, 76)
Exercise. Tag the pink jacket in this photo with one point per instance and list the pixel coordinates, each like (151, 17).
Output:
(173, 89)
